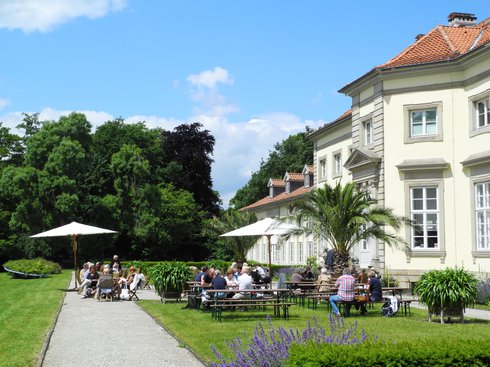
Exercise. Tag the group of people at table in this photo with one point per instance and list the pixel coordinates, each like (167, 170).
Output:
(345, 285)
(92, 275)
(238, 277)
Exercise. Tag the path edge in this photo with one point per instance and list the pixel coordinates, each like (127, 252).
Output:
(172, 335)
(47, 340)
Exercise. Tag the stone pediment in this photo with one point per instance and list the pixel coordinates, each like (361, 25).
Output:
(361, 158)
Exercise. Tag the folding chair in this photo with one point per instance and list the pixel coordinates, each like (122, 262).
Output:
(133, 287)
(106, 287)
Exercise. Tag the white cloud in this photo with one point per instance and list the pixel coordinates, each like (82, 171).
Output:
(4, 103)
(44, 15)
(210, 78)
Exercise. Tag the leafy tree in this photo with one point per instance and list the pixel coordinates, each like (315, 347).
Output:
(289, 155)
(344, 216)
(11, 151)
(190, 149)
(230, 220)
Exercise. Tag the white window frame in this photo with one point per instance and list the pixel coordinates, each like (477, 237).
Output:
(485, 114)
(482, 216)
(291, 252)
(368, 132)
(300, 252)
(408, 110)
(311, 249)
(337, 163)
(424, 123)
(322, 167)
(425, 212)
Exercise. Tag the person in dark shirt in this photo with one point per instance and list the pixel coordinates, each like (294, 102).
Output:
(199, 275)
(93, 276)
(308, 274)
(207, 277)
(374, 289)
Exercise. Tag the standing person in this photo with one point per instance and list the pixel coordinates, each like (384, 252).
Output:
(115, 260)
(330, 260)
(374, 289)
(345, 284)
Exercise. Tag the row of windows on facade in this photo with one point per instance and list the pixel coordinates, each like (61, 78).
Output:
(422, 123)
(425, 213)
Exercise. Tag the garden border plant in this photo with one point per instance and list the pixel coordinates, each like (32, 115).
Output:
(169, 278)
(447, 292)
(37, 267)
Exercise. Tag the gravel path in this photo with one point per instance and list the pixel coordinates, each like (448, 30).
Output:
(112, 333)
(470, 312)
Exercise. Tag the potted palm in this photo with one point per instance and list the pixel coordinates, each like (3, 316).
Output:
(169, 279)
(447, 292)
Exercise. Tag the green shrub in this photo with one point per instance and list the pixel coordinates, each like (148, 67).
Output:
(170, 276)
(450, 288)
(33, 266)
(418, 353)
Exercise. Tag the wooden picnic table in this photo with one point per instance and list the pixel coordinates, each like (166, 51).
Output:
(271, 297)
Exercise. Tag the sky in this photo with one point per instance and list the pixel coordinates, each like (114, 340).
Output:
(252, 72)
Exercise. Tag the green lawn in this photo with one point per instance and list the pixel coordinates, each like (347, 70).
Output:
(28, 310)
(198, 331)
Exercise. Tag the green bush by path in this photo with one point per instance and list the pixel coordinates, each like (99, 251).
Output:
(33, 266)
(423, 352)
(27, 313)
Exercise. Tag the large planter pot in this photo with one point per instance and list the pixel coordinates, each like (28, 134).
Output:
(171, 294)
(449, 312)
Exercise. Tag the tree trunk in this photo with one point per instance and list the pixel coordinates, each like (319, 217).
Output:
(341, 261)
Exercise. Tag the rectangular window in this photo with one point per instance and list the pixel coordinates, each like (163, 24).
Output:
(482, 208)
(482, 113)
(283, 252)
(337, 164)
(368, 132)
(423, 122)
(300, 252)
(311, 250)
(323, 168)
(291, 252)
(424, 211)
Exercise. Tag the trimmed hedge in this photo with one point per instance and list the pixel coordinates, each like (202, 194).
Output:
(33, 266)
(454, 353)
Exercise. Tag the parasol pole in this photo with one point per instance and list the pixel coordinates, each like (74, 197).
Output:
(74, 245)
(270, 258)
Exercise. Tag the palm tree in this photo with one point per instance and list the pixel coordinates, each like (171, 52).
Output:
(232, 219)
(344, 216)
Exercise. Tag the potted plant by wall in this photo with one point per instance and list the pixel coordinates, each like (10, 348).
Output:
(169, 279)
(447, 292)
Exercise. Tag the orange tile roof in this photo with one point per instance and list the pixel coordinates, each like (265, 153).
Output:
(443, 43)
(277, 199)
(277, 182)
(295, 176)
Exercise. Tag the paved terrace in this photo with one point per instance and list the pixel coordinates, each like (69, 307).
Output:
(112, 334)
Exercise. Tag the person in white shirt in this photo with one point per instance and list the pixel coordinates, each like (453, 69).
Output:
(244, 282)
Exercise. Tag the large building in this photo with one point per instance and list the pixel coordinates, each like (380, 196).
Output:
(418, 138)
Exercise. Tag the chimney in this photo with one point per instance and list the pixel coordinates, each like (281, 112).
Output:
(419, 36)
(461, 19)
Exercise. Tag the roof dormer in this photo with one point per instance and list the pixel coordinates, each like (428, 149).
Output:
(308, 171)
(293, 181)
(276, 186)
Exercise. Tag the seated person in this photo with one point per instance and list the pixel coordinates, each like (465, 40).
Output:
(346, 285)
(296, 278)
(207, 277)
(307, 274)
(374, 289)
(129, 279)
(93, 277)
(116, 268)
(104, 276)
(230, 278)
(323, 281)
(218, 282)
(83, 277)
(199, 275)
(244, 282)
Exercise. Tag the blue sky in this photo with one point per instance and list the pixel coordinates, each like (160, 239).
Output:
(253, 72)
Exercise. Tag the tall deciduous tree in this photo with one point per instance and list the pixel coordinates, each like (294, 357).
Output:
(190, 148)
(344, 216)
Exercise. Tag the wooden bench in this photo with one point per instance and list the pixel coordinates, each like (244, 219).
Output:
(230, 303)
